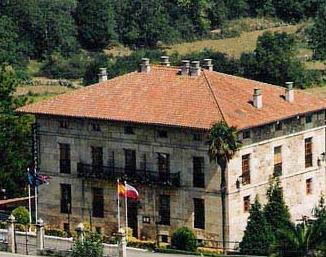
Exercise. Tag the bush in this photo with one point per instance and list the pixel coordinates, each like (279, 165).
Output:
(56, 232)
(21, 215)
(184, 239)
(134, 242)
(57, 66)
(90, 247)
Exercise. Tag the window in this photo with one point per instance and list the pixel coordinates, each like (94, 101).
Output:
(65, 203)
(98, 202)
(162, 134)
(246, 203)
(164, 166)
(164, 238)
(277, 161)
(129, 130)
(97, 159)
(65, 164)
(98, 230)
(143, 162)
(278, 126)
(95, 127)
(130, 161)
(199, 213)
(197, 137)
(164, 210)
(309, 118)
(198, 172)
(246, 134)
(111, 160)
(246, 169)
(308, 152)
(309, 186)
(66, 227)
(64, 124)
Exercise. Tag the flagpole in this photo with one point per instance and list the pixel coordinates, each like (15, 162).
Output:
(118, 205)
(126, 209)
(36, 209)
(29, 206)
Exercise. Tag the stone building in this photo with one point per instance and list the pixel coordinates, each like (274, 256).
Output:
(150, 128)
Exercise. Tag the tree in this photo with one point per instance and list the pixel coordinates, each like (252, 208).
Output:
(14, 136)
(274, 61)
(143, 23)
(11, 50)
(276, 211)
(258, 237)
(91, 246)
(223, 143)
(96, 23)
(21, 215)
(317, 35)
(289, 10)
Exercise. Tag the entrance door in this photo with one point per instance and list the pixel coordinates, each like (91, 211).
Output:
(130, 161)
(132, 217)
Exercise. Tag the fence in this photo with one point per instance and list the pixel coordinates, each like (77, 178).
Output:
(34, 243)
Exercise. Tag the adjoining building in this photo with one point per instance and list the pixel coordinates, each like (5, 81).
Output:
(150, 127)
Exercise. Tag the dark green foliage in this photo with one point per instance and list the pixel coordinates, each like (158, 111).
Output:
(289, 10)
(90, 247)
(317, 34)
(14, 135)
(21, 215)
(237, 8)
(184, 239)
(276, 211)
(274, 61)
(119, 66)
(144, 22)
(96, 23)
(58, 66)
(258, 237)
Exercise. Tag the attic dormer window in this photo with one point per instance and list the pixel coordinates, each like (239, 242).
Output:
(278, 126)
(246, 134)
(64, 124)
(162, 134)
(309, 118)
(95, 127)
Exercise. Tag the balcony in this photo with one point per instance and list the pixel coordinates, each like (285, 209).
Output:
(136, 176)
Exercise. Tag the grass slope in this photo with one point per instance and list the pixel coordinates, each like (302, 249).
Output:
(231, 46)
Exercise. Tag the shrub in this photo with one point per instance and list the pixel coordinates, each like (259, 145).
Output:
(134, 242)
(90, 247)
(21, 215)
(184, 239)
(56, 232)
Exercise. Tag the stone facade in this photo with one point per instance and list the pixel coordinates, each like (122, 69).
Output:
(182, 145)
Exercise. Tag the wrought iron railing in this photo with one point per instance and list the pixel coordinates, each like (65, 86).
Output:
(131, 175)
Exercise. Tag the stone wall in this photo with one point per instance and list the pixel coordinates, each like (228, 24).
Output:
(179, 144)
(293, 178)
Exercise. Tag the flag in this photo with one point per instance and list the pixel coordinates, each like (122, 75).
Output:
(36, 180)
(126, 190)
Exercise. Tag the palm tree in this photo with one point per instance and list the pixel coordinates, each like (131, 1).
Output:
(223, 143)
(302, 239)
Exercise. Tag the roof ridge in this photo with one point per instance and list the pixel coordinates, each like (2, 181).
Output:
(214, 96)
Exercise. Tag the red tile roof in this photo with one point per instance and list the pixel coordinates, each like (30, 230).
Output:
(163, 97)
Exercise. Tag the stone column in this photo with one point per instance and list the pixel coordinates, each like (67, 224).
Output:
(122, 245)
(80, 232)
(40, 235)
(11, 234)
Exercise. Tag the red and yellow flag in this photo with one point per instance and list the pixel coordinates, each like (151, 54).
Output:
(128, 191)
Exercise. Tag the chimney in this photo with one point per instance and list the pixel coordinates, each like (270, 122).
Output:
(165, 60)
(289, 92)
(102, 76)
(195, 68)
(258, 98)
(144, 66)
(208, 64)
(185, 67)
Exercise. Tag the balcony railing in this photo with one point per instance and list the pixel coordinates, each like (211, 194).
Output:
(131, 175)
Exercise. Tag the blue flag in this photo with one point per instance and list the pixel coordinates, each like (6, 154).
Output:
(36, 180)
